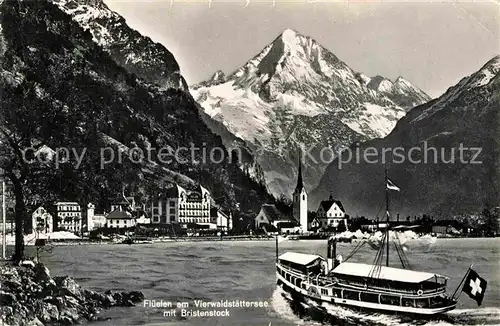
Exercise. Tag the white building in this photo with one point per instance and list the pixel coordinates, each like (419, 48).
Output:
(69, 216)
(270, 215)
(300, 201)
(42, 221)
(331, 213)
(166, 208)
(94, 221)
(196, 207)
(220, 220)
(177, 205)
(120, 219)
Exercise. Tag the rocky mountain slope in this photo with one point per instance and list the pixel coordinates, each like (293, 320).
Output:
(138, 54)
(442, 182)
(81, 97)
(150, 61)
(295, 93)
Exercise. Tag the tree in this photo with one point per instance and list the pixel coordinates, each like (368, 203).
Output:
(491, 225)
(22, 117)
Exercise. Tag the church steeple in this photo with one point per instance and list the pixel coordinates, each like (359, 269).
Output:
(300, 184)
(300, 200)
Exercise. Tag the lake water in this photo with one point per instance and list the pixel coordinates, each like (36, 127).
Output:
(214, 271)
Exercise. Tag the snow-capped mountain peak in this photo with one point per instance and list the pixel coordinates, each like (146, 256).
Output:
(293, 81)
(401, 81)
(401, 91)
(218, 77)
(486, 74)
(403, 86)
(380, 84)
(290, 36)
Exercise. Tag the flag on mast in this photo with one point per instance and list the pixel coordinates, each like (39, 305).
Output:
(391, 186)
(475, 286)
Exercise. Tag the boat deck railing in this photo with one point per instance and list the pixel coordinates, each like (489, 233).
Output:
(338, 290)
(323, 280)
(360, 286)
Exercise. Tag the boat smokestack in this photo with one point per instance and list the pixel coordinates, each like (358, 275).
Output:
(332, 252)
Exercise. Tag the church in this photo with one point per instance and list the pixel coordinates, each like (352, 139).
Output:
(300, 201)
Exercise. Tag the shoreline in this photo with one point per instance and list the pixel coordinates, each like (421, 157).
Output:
(84, 242)
(31, 296)
(151, 241)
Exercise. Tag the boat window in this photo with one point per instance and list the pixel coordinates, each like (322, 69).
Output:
(408, 302)
(369, 297)
(422, 303)
(324, 291)
(438, 302)
(351, 295)
(303, 286)
(389, 299)
(298, 282)
(337, 293)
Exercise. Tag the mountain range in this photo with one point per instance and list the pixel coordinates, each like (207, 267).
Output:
(297, 94)
(77, 66)
(66, 82)
(447, 183)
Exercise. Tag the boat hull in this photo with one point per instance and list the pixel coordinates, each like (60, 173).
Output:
(313, 292)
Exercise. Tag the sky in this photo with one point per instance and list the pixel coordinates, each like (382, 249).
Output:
(433, 45)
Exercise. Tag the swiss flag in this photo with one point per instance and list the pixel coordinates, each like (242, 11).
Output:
(475, 286)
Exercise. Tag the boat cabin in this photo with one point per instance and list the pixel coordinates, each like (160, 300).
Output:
(303, 263)
(388, 278)
(364, 285)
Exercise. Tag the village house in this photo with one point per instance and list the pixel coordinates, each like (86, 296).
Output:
(69, 216)
(269, 215)
(42, 221)
(221, 220)
(447, 227)
(331, 213)
(119, 219)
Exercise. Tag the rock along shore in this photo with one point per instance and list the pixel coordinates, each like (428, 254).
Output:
(30, 296)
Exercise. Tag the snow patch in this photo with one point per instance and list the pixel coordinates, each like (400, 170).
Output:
(477, 79)
(375, 120)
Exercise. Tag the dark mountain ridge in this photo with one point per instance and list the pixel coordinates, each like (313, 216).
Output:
(467, 115)
(136, 53)
(99, 104)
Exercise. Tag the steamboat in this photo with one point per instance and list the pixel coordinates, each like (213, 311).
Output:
(365, 286)
(372, 287)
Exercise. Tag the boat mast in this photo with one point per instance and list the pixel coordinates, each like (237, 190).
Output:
(387, 217)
